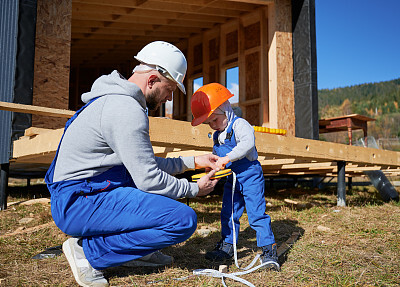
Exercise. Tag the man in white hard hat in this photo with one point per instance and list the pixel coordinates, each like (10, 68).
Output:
(108, 190)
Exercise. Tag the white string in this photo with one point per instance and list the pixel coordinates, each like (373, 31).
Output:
(234, 276)
(246, 270)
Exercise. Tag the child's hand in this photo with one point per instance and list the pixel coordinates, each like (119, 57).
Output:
(222, 162)
(207, 161)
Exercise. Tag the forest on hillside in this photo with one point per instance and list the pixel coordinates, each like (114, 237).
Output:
(376, 100)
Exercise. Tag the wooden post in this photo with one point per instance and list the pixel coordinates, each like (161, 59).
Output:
(341, 184)
(3, 185)
(350, 131)
(349, 182)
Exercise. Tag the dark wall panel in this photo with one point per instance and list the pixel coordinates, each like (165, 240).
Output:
(23, 89)
(305, 69)
(8, 48)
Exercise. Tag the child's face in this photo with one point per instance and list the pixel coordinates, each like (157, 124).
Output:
(217, 121)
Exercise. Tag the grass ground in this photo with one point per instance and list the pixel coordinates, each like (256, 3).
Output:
(357, 245)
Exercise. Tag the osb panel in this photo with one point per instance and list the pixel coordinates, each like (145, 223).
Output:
(213, 49)
(252, 37)
(283, 16)
(252, 64)
(253, 114)
(285, 87)
(54, 19)
(52, 59)
(231, 43)
(198, 55)
(286, 118)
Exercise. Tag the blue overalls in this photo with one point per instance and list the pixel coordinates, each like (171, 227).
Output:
(117, 222)
(249, 192)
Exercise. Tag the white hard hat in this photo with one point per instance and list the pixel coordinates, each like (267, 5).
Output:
(168, 59)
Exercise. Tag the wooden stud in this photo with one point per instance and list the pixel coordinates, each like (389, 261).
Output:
(36, 110)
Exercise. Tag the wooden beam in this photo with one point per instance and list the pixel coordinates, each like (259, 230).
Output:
(183, 21)
(127, 26)
(270, 145)
(36, 110)
(191, 5)
(121, 34)
(152, 7)
(177, 138)
(34, 131)
(42, 144)
(259, 2)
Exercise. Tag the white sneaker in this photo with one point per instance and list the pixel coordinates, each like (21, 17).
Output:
(154, 259)
(83, 272)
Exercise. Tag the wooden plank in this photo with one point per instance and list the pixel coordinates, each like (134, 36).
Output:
(260, 2)
(122, 34)
(272, 71)
(264, 67)
(191, 5)
(42, 144)
(151, 7)
(270, 145)
(288, 244)
(183, 153)
(29, 109)
(176, 138)
(127, 26)
(355, 116)
(34, 131)
(184, 21)
(180, 134)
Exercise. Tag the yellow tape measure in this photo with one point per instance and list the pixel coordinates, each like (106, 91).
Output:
(218, 174)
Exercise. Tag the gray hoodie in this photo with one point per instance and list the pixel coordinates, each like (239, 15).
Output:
(114, 130)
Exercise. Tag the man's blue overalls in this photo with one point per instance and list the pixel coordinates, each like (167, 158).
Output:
(249, 192)
(117, 222)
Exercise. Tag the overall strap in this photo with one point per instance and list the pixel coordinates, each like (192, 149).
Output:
(229, 131)
(50, 171)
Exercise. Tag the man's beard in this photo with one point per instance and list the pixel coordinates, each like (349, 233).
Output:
(152, 100)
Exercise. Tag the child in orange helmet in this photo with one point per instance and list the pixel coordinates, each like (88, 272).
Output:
(234, 143)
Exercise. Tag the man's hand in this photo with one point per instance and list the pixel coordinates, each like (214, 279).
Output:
(206, 185)
(206, 161)
(222, 162)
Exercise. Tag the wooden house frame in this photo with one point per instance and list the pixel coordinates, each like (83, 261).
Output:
(88, 38)
(272, 42)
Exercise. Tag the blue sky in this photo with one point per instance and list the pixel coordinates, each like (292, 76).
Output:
(358, 41)
(232, 79)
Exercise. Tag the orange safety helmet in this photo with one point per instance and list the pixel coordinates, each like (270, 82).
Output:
(206, 100)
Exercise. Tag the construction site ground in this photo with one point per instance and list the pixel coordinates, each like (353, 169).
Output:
(357, 245)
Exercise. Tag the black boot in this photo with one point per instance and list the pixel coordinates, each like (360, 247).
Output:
(221, 252)
(270, 256)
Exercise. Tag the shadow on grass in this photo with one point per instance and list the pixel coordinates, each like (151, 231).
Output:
(28, 192)
(356, 197)
(190, 254)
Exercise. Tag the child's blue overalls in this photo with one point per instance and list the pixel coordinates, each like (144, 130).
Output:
(117, 222)
(249, 192)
